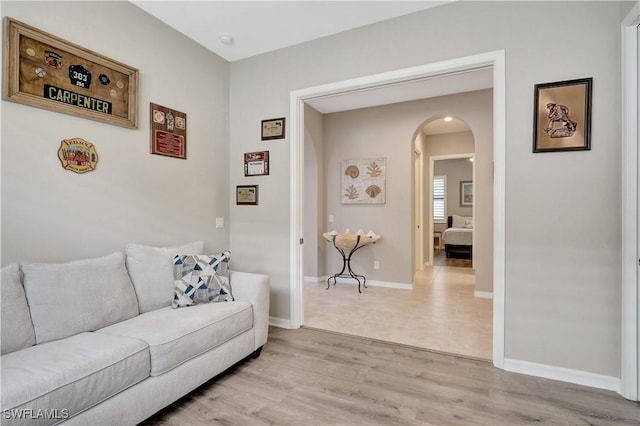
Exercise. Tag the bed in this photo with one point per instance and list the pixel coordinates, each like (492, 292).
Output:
(458, 237)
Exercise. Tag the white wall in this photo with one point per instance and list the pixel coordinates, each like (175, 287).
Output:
(50, 214)
(315, 246)
(562, 247)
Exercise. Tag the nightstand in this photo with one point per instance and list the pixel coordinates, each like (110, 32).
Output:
(437, 235)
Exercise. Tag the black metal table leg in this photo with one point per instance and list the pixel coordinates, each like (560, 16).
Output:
(346, 265)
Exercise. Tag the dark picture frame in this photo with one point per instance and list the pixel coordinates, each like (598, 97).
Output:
(256, 163)
(562, 116)
(273, 128)
(466, 193)
(45, 71)
(168, 131)
(247, 195)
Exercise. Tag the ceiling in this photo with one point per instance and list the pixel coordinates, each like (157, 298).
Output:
(441, 125)
(257, 27)
(430, 87)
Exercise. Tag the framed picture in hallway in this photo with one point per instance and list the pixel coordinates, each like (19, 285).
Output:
(466, 193)
(364, 181)
(247, 195)
(256, 163)
(562, 116)
(273, 128)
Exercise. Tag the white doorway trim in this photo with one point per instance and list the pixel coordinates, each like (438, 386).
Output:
(495, 59)
(432, 160)
(418, 209)
(630, 351)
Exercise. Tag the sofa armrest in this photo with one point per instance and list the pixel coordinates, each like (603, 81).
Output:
(254, 288)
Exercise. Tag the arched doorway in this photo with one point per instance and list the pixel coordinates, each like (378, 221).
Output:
(439, 139)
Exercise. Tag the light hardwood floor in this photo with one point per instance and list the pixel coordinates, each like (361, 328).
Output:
(439, 313)
(310, 377)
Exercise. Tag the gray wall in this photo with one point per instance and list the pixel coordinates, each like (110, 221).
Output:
(132, 196)
(562, 248)
(315, 246)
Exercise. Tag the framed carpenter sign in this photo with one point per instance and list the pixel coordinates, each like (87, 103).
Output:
(168, 132)
(45, 71)
(562, 116)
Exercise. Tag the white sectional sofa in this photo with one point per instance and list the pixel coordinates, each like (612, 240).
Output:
(96, 341)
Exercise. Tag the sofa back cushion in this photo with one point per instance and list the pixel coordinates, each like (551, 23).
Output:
(151, 271)
(15, 320)
(84, 295)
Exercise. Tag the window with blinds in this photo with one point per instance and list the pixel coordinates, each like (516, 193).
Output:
(439, 198)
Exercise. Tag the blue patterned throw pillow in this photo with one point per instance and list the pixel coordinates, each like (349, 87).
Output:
(201, 279)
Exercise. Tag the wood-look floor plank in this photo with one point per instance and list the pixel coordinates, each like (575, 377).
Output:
(310, 377)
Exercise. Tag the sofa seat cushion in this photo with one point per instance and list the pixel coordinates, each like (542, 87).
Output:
(70, 375)
(175, 336)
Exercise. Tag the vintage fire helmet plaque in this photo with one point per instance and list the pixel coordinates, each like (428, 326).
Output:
(78, 155)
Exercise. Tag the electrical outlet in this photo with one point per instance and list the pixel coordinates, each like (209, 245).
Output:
(376, 264)
(330, 218)
(219, 222)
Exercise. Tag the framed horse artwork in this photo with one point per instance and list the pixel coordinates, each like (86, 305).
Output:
(562, 116)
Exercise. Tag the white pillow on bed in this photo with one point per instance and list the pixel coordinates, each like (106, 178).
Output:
(458, 221)
(461, 221)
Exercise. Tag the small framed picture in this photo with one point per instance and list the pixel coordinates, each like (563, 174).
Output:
(562, 116)
(273, 128)
(256, 163)
(247, 195)
(466, 193)
(168, 131)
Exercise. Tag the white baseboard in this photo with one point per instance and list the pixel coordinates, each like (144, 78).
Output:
(371, 283)
(280, 322)
(313, 279)
(577, 377)
(483, 294)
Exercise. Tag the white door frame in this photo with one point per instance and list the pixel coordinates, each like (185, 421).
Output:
(495, 59)
(418, 211)
(630, 359)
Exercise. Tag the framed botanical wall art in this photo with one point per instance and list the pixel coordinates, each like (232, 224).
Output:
(562, 116)
(45, 71)
(466, 193)
(363, 181)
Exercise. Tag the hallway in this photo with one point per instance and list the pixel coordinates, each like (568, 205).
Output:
(440, 313)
